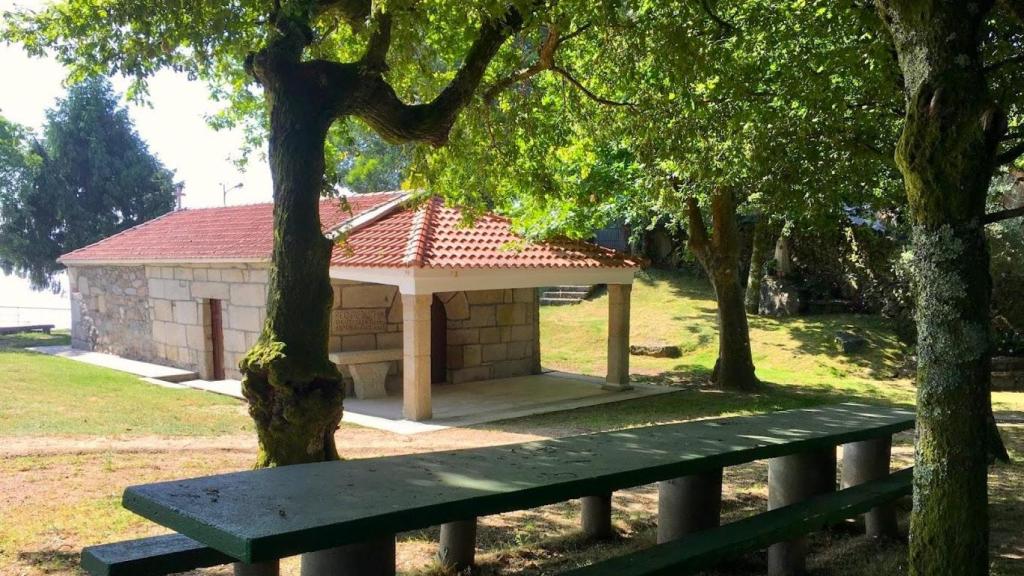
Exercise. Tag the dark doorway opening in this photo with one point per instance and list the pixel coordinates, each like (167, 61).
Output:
(216, 338)
(438, 342)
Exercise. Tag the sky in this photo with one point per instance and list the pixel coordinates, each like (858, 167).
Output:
(173, 125)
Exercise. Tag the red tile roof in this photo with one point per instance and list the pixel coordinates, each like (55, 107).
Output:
(428, 235)
(236, 233)
(433, 236)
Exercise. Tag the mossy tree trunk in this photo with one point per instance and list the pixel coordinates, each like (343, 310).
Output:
(294, 391)
(719, 255)
(947, 156)
(760, 253)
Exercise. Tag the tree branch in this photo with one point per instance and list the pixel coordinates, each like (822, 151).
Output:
(600, 100)
(375, 59)
(725, 26)
(1011, 154)
(1001, 215)
(397, 122)
(546, 61)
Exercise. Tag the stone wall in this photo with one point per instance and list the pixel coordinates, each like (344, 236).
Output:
(161, 314)
(492, 334)
(179, 300)
(110, 312)
(367, 317)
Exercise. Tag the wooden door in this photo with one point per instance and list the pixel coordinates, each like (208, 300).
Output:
(438, 342)
(217, 338)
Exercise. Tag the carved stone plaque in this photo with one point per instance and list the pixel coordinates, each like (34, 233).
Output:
(359, 321)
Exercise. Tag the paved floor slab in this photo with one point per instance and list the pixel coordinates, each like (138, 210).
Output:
(141, 369)
(474, 403)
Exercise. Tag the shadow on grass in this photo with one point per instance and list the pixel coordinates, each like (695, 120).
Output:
(693, 401)
(882, 357)
(49, 561)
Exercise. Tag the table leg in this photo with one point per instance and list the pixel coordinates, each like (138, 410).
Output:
(597, 516)
(792, 479)
(371, 558)
(689, 504)
(866, 461)
(458, 545)
(272, 568)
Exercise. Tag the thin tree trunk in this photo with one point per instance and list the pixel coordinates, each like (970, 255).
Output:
(764, 241)
(294, 391)
(947, 157)
(719, 255)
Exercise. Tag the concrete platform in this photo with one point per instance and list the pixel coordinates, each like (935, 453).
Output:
(141, 369)
(473, 403)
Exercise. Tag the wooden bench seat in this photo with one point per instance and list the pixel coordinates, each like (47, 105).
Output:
(706, 549)
(154, 556)
(369, 369)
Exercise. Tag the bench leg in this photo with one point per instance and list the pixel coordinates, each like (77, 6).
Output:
(792, 479)
(372, 558)
(272, 568)
(689, 504)
(866, 461)
(597, 516)
(458, 545)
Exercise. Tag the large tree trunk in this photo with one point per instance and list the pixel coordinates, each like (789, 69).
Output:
(294, 391)
(719, 255)
(764, 242)
(947, 157)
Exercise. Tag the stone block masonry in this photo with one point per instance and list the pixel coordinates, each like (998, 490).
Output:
(161, 314)
(492, 334)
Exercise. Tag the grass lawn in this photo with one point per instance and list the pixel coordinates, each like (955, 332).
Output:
(46, 396)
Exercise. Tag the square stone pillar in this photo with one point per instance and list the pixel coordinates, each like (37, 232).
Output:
(416, 356)
(618, 337)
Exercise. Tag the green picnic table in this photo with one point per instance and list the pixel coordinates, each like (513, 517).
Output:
(354, 508)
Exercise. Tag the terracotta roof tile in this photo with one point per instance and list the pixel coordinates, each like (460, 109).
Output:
(432, 236)
(211, 234)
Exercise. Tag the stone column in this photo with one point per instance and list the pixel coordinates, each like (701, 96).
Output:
(689, 504)
(457, 551)
(271, 568)
(866, 461)
(792, 479)
(372, 558)
(597, 516)
(416, 356)
(618, 337)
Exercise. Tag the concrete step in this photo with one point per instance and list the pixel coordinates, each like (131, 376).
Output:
(558, 301)
(564, 294)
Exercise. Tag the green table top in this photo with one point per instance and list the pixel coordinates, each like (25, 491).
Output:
(260, 515)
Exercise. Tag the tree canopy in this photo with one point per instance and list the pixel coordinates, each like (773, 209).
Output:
(88, 177)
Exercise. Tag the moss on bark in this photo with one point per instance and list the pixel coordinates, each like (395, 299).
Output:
(947, 156)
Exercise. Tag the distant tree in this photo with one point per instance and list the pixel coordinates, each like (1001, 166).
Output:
(90, 176)
(365, 162)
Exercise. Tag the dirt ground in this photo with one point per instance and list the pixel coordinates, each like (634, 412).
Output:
(60, 494)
